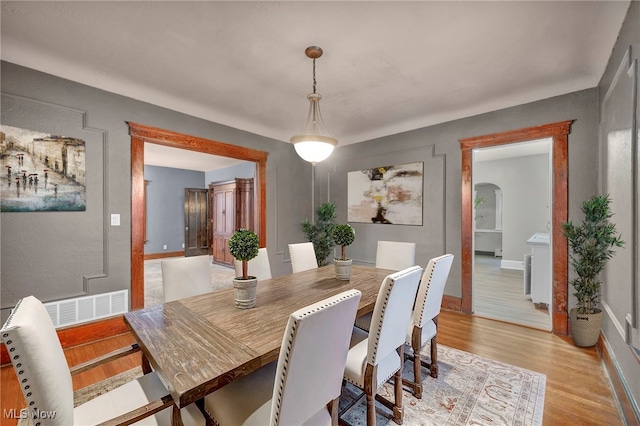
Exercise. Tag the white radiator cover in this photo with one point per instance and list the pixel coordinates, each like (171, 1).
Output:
(87, 308)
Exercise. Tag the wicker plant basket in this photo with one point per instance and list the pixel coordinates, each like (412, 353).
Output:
(585, 328)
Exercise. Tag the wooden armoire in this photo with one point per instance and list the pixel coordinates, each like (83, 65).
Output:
(231, 204)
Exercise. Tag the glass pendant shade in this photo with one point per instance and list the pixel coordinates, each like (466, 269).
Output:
(314, 144)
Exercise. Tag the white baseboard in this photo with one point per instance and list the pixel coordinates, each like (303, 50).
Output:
(512, 264)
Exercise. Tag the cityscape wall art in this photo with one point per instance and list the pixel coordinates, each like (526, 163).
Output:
(41, 172)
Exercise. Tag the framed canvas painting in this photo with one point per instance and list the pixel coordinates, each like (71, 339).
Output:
(386, 194)
(41, 172)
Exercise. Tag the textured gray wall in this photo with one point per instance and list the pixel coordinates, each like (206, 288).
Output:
(616, 179)
(165, 206)
(438, 146)
(58, 255)
(242, 170)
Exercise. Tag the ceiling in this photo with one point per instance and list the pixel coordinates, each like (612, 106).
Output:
(388, 66)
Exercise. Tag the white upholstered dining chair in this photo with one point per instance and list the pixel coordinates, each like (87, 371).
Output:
(392, 255)
(304, 385)
(258, 267)
(303, 257)
(45, 378)
(377, 356)
(185, 277)
(395, 255)
(424, 320)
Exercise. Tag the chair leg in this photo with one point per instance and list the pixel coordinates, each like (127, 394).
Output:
(415, 385)
(398, 410)
(434, 352)
(370, 389)
(416, 345)
(333, 410)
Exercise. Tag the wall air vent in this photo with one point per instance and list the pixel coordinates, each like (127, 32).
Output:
(87, 308)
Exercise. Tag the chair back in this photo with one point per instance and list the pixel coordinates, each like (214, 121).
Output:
(303, 257)
(395, 255)
(392, 313)
(258, 267)
(39, 362)
(185, 277)
(429, 298)
(312, 358)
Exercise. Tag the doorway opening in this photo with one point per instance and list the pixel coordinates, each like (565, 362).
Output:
(558, 133)
(140, 135)
(512, 202)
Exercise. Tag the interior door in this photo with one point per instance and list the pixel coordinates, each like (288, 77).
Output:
(196, 234)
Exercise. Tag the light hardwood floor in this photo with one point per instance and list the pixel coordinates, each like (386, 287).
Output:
(498, 294)
(577, 388)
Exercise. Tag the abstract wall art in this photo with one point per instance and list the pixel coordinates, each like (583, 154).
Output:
(41, 172)
(386, 194)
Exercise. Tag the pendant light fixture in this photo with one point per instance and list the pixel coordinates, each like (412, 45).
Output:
(314, 144)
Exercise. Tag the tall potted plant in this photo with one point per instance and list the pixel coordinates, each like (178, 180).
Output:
(343, 235)
(320, 233)
(243, 246)
(591, 244)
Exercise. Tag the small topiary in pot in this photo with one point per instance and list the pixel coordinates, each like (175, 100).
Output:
(243, 246)
(343, 235)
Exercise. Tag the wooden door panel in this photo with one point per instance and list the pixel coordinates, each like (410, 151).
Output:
(196, 242)
(229, 212)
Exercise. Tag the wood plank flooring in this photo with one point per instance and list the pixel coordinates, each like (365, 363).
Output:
(498, 294)
(577, 389)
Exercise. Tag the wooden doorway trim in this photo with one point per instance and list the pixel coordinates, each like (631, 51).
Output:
(141, 134)
(559, 132)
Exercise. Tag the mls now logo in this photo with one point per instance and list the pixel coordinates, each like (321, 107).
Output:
(25, 413)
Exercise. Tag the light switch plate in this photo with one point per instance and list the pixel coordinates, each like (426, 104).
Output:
(115, 220)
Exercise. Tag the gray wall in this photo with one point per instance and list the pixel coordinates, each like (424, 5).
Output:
(615, 174)
(57, 255)
(525, 184)
(242, 170)
(165, 206)
(438, 146)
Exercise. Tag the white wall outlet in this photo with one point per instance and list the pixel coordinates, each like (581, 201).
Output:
(164, 247)
(115, 220)
(182, 245)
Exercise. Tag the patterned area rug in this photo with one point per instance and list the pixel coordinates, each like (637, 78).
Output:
(469, 390)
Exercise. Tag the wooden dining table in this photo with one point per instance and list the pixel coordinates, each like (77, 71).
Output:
(199, 344)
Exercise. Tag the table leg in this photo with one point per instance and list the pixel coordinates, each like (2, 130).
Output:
(176, 416)
(146, 367)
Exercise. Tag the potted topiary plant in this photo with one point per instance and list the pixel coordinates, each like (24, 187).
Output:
(343, 235)
(591, 245)
(320, 233)
(243, 246)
